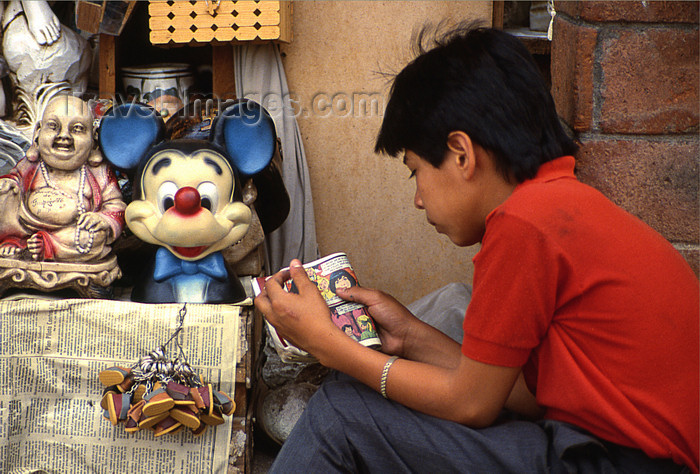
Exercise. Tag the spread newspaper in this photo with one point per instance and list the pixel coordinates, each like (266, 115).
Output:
(51, 352)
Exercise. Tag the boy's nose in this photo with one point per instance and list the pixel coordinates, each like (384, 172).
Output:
(417, 201)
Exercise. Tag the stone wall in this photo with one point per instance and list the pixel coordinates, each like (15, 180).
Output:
(625, 79)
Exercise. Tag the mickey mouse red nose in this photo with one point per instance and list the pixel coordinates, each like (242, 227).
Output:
(187, 200)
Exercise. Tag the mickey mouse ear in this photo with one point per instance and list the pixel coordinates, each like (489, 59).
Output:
(127, 132)
(247, 132)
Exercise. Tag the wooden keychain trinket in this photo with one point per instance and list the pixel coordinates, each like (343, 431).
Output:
(162, 394)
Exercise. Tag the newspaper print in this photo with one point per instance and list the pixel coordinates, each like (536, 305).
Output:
(51, 354)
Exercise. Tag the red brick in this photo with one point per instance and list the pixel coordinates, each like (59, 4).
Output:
(656, 180)
(691, 254)
(650, 81)
(573, 50)
(629, 11)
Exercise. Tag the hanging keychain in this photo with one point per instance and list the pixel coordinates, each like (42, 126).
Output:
(162, 394)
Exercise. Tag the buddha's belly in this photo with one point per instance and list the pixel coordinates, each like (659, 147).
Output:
(52, 207)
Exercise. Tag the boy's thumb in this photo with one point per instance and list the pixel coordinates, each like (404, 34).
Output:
(298, 274)
(354, 293)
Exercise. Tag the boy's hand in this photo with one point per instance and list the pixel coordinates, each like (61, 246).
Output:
(304, 318)
(402, 333)
(394, 321)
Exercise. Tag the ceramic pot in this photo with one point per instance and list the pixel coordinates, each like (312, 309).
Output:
(163, 86)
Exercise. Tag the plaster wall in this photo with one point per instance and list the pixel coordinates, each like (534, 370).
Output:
(363, 202)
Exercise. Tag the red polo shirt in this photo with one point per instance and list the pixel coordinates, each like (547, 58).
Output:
(599, 309)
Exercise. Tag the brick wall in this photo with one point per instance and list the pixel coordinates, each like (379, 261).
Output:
(625, 78)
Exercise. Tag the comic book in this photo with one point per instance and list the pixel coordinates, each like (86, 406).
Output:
(328, 273)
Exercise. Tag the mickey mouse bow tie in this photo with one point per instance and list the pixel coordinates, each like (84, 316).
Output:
(168, 266)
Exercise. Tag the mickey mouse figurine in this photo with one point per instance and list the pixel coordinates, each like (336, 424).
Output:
(187, 196)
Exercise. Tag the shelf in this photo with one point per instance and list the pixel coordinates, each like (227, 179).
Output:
(536, 41)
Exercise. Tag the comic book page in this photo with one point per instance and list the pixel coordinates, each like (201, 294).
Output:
(51, 354)
(329, 273)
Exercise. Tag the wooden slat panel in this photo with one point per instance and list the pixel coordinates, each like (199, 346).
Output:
(156, 8)
(265, 18)
(207, 21)
(246, 34)
(225, 35)
(269, 32)
(203, 35)
(161, 7)
(232, 21)
(204, 21)
(248, 6)
(159, 37)
(182, 36)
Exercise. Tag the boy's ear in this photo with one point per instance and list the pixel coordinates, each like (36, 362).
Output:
(462, 149)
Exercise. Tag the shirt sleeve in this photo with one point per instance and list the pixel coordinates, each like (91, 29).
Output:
(516, 278)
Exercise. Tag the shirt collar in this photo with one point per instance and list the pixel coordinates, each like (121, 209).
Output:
(562, 167)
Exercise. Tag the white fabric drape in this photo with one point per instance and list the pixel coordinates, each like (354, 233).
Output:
(260, 76)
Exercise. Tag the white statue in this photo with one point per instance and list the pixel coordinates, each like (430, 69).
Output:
(41, 21)
(61, 202)
(40, 51)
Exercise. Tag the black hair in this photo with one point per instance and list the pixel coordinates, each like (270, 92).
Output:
(481, 81)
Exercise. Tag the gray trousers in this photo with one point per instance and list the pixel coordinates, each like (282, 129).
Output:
(348, 427)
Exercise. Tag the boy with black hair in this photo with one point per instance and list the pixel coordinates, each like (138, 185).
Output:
(583, 320)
